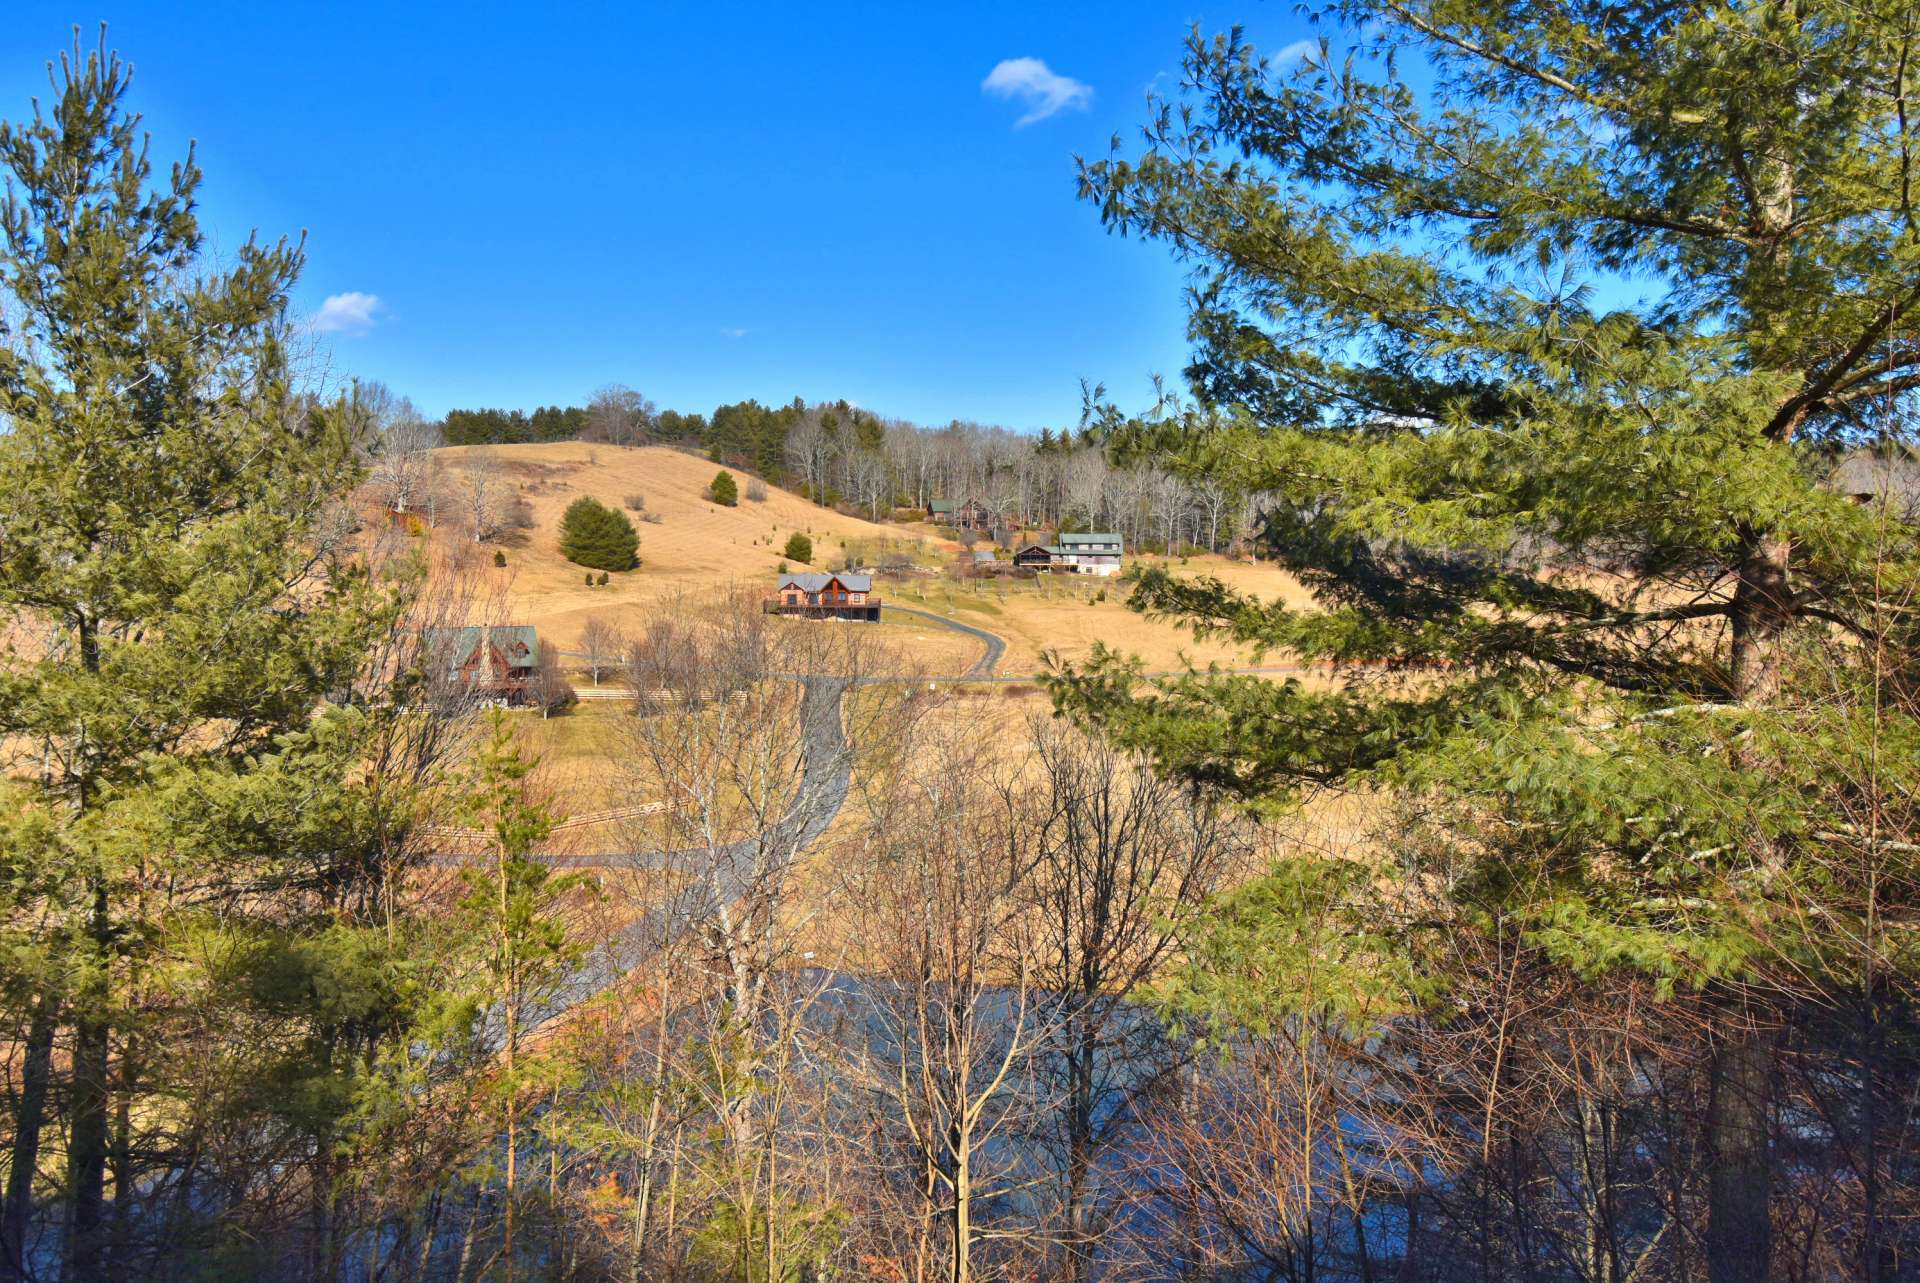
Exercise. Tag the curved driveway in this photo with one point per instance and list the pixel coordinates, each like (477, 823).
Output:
(723, 873)
(996, 646)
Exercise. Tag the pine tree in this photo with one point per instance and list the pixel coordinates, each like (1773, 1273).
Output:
(724, 491)
(592, 534)
(514, 909)
(1604, 525)
(162, 492)
(799, 547)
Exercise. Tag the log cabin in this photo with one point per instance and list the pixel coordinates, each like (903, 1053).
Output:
(826, 596)
(963, 514)
(501, 661)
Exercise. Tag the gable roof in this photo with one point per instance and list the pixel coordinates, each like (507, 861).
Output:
(1067, 540)
(941, 505)
(816, 582)
(519, 644)
(1872, 474)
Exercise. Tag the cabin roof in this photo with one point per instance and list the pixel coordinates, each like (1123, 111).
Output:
(519, 644)
(815, 582)
(1872, 473)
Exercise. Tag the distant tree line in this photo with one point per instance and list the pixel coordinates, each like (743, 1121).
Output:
(841, 455)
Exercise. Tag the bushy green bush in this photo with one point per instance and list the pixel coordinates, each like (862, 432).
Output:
(799, 547)
(724, 491)
(592, 534)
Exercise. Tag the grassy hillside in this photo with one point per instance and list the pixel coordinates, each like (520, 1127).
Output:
(696, 545)
(699, 546)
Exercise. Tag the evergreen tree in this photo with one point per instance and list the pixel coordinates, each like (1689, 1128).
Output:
(724, 491)
(1606, 527)
(183, 644)
(515, 908)
(592, 534)
(799, 547)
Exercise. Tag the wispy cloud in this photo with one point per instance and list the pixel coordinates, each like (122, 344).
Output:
(1031, 81)
(734, 331)
(1298, 51)
(349, 313)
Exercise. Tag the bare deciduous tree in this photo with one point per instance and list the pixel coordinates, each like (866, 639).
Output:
(1122, 860)
(951, 1000)
(618, 415)
(604, 646)
(485, 497)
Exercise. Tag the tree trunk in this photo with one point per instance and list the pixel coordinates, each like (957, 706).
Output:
(1761, 611)
(35, 1071)
(87, 1146)
(1740, 1173)
(962, 1207)
(1080, 1104)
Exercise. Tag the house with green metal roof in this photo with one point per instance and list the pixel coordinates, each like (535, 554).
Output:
(1079, 554)
(501, 660)
(963, 514)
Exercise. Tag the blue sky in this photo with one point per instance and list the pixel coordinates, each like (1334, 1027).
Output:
(704, 201)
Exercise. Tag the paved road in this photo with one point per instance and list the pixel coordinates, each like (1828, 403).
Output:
(996, 646)
(720, 876)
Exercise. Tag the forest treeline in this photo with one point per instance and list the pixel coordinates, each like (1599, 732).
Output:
(842, 456)
(1558, 923)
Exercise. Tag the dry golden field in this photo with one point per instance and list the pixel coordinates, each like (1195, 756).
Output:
(700, 547)
(696, 547)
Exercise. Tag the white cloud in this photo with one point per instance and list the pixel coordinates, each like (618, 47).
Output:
(1032, 82)
(1298, 51)
(734, 331)
(349, 313)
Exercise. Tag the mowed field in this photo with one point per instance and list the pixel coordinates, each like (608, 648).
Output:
(696, 546)
(699, 547)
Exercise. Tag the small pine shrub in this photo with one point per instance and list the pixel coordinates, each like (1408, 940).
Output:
(499, 558)
(603, 579)
(780, 569)
(799, 547)
(724, 491)
(589, 579)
